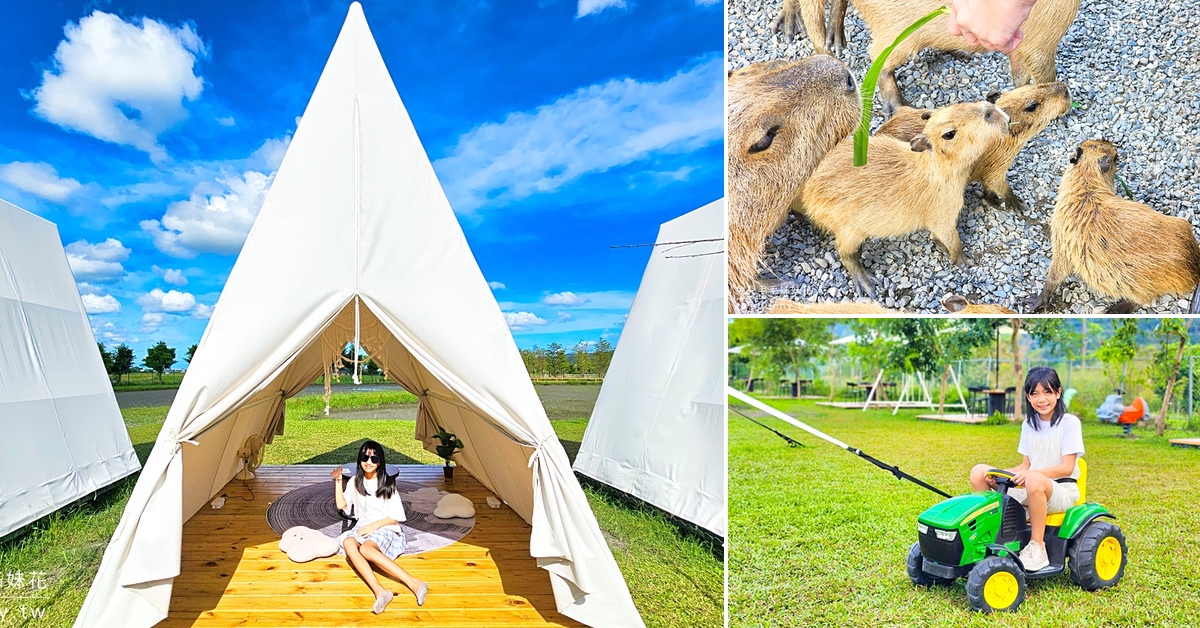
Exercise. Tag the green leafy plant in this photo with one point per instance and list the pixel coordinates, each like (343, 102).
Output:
(862, 133)
(996, 419)
(450, 444)
(1125, 185)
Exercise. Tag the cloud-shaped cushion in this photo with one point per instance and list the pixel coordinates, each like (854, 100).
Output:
(303, 544)
(452, 506)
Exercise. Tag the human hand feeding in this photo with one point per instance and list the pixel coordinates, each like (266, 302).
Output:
(993, 24)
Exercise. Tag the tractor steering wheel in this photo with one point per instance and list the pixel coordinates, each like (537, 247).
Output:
(1002, 478)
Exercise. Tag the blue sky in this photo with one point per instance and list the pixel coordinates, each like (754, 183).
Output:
(150, 133)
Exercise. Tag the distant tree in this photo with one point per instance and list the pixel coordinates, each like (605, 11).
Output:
(1169, 330)
(159, 358)
(191, 352)
(371, 368)
(107, 357)
(583, 360)
(602, 357)
(556, 360)
(790, 342)
(1118, 349)
(122, 361)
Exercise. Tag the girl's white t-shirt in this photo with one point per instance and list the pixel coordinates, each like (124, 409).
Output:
(369, 508)
(1047, 446)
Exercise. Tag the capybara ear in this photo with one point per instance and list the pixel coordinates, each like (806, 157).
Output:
(993, 96)
(920, 143)
(1078, 154)
(1105, 163)
(926, 115)
(955, 303)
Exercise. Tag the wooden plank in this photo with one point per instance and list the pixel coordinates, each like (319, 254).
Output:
(233, 574)
(953, 418)
(1186, 442)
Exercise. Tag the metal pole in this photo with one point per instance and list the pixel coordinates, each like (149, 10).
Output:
(1191, 362)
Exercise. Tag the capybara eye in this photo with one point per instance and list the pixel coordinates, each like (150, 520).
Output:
(1032, 107)
(949, 135)
(765, 142)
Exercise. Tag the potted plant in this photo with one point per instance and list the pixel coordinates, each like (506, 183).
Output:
(450, 444)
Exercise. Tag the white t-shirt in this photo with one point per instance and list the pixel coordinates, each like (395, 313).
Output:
(369, 508)
(1047, 446)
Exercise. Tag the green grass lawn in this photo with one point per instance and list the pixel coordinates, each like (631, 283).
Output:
(674, 580)
(818, 536)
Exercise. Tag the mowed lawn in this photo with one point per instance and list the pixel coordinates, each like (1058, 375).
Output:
(674, 580)
(818, 536)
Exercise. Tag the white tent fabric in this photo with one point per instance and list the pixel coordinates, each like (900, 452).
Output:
(63, 435)
(356, 238)
(658, 429)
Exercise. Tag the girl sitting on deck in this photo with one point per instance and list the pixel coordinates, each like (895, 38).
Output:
(377, 538)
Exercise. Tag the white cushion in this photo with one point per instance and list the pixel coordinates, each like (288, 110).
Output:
(454, 506)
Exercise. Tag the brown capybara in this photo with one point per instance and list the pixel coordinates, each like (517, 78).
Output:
(958, 304)
(1030, 109)
(904, 187)
(783, 117)
(1118, 247)
(1032, 61)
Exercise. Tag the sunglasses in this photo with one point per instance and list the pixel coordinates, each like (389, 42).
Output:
(372, 458)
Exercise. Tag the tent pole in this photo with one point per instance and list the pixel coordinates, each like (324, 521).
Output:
(357, 379)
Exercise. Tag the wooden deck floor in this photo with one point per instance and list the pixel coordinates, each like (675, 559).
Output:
(233, 573)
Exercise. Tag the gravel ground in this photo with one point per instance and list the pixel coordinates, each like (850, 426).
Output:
(1132, 66)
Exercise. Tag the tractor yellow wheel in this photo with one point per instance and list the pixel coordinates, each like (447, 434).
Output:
(996, 583)
(1000, 590)
(1097, 556)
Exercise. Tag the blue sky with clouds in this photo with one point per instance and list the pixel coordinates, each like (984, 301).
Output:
(150, 132)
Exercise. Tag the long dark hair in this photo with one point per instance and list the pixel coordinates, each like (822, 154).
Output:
(385, 484)
(1048, 379)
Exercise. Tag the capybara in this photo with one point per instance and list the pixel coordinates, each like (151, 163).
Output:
(1032, 61)
(905, 186)
(784, 116)
(958, 304)
(1118, 247)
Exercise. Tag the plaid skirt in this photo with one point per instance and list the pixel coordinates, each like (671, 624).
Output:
(390, 540)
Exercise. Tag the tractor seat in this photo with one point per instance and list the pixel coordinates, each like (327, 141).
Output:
(1056, 519)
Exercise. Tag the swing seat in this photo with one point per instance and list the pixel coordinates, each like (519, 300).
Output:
(1056, 519)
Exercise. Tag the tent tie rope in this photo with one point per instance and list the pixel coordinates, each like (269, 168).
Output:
(537, 449)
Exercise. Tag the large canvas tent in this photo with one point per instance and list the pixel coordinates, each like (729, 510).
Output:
(657, 431)
(356, 240)
(64, 437)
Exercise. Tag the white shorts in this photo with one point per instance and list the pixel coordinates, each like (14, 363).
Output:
(1064, 496)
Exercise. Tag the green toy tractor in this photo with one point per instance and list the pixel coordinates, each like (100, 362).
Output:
(979, 536)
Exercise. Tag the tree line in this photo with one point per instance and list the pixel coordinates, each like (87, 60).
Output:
(930, 345)
(119, 361)
(553, 360)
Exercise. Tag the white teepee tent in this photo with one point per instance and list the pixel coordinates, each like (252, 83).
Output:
(356, 239)
(658, 429)
(63, 436)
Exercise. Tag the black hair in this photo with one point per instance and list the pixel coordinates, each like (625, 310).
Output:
(386, 484)
(1047, 378)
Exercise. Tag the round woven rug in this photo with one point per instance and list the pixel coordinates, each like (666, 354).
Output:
(314, 507)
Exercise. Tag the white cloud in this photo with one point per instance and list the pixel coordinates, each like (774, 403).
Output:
(212, 220)
(564, 316)
(202, 311)
(105, 330)
(100, 304)
(151, 321)
(496, 285)
(121, 82)
(588, 7)
(521, 320)
(38, 178)
(705, 3)
(173, 276)
(173, 301)
(592, 130)
(567, 299)
(97, 262)
(268, 156)
(226, 121)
